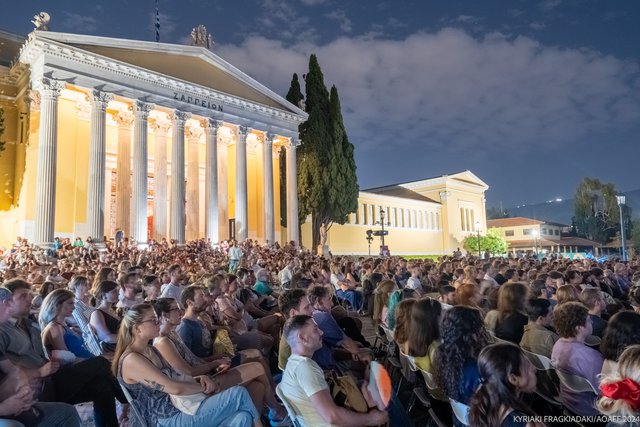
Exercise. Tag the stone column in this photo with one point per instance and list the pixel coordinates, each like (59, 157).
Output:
(97, 165)
(242, 214)
(211, 225)
(47, 161)
(292, 192)
(140, 192)
(223, 186)
(193, 133)
(267, 158)
(161, 127)
(177, 220)
(124, 119)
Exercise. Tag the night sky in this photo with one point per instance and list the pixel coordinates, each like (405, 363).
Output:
(531, 96)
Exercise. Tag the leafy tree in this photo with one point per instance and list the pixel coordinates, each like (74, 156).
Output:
(1, 129)
(496, 213)
(634, 236)
(596, 210)
(493, 242)
(327, 184)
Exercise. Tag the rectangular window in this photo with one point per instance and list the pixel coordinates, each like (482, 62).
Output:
(463, 224)
(557, 232)
(508, 233)
(438, 225)
(472, 223)
(527, 231)
(432, 221)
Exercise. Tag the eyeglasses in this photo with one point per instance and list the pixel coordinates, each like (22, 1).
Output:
(155, 321)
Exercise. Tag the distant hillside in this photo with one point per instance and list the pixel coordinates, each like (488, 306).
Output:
(562, 210)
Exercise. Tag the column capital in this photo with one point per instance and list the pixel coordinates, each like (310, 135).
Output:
(243, 131)
(293, 143)
(193, 132)
(269, 137)
(124, 119)
(49, 88)
(142, 109)
(100, 99)
(160, 126)
(33, 99)
(180, 117)
(211, 125)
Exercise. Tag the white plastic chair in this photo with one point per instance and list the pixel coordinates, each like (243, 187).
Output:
(296, 417)
(460, 411)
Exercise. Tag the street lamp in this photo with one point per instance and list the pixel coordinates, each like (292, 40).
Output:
(621, 199)
(478, 233)
(382, 212)
(535, 241)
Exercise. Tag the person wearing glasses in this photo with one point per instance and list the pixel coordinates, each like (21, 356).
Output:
(158, 389)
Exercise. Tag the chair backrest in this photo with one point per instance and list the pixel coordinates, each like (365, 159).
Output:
(575, 383)
(408, 366)
(541, 362)
(132, 404)
(460, 411)
(388, 333)
(293, 415)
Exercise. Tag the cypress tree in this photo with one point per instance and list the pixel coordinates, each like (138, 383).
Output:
(327, 184)
(1, 128)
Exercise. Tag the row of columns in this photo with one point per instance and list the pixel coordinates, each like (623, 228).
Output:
(133, 215)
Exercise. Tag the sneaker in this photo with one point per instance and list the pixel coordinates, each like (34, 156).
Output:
(286, 421)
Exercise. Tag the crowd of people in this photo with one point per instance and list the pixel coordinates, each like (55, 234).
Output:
(236, 334)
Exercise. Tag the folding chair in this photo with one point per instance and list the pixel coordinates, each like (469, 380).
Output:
(407, 368)
(460, 411)
(576, 383)
(296, 418)
(547, 387)
(132, 405)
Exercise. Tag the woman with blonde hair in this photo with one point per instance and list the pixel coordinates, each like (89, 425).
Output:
(159, 391)
(621, 389)
(566, 293)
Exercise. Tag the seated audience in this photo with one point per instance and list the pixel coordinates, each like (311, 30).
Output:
(156, 387)
(623, 330)
(506, 375)
(463, 337)
(79, 285)
(403, 324)
(424, 334)
(571, 355)
(538, 337)
(594, 300)
(381, 302)
(566, 293)
(621, 389)
(17, 393)
(104, 320)
(304, 384)
(511, 318)
(20, 341)
(469, 294)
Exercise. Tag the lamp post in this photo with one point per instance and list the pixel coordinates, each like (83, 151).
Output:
(623, 250)
(535, 241)
(382, 213)
(478, 233)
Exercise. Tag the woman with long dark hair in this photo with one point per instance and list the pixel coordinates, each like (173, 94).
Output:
(424, 334)
(506, 374)
(463, 337)
(621, 332)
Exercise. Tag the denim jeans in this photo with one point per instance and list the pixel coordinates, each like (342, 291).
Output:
(230, 408)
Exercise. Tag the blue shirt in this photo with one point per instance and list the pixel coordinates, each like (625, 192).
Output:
(196, 337)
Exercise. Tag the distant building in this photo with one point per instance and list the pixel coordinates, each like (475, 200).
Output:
(533, 235)
(427, 217)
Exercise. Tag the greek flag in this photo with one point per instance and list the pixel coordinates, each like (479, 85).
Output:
(157, 23)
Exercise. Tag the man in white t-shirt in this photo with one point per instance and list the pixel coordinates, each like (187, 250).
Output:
(174, 288)
(304, 385)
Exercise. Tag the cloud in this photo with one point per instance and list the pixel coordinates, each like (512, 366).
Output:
(341, 16)
(548, 5)
(81, 24)
(282, 17)
(449, 89)
(467, 19)
(312, 2)
(537, 25)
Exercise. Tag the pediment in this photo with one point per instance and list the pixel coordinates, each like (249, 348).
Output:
(192, 64)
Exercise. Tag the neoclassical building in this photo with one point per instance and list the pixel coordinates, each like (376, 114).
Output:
(431, 216)
(158, 140)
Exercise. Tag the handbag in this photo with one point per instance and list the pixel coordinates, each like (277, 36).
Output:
(346, 393)
(189, 403)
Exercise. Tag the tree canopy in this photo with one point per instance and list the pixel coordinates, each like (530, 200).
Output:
(327, 183)
(597, 215)
(1, 129)
(493, 242)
